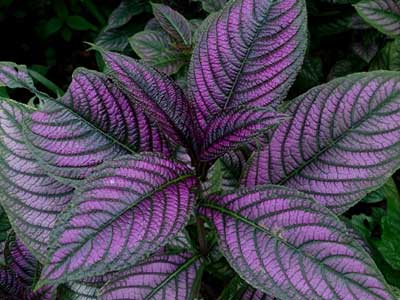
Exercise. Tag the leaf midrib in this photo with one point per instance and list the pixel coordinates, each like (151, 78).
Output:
(336, 140)
(122, 212)
(97, 129)
(246, 57)
(181, 268)
(239, 217)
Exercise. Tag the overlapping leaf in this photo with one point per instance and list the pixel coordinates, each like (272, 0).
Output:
(11, 288)
(92, 122)
(30, 197)
(212, 6)
(159, 96)
(78, 291)
(17, 280)
(286, 244)
(154, 48)
(236, 127)
(343, 141)
(126, 209)
(220, 179)
(161, 277)
(249, 54)
(173, 22)
(4, 230)
(384, 15)
(125, 12)
(239, 290)
(15, 76)
(22, 262)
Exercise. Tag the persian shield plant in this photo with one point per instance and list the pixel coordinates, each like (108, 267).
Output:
(126, 188)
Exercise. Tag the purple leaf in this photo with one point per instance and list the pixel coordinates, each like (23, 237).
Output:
(286, 244)
(30, 197)
(249, 54)
(157, 94)
(383, 15)
(161, 277)
(10, 286)
(92, 122)
(25, 267)
(343, 141)
(126, 209)
(22, 262)
(173, 22)
(155, 48)
(236, 127)
(13, 289)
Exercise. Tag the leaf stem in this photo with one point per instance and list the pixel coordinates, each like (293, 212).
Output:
(201, 231)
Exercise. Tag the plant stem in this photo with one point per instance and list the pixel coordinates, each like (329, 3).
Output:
(201, 235)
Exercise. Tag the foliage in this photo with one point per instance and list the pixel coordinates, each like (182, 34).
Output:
(232, 160)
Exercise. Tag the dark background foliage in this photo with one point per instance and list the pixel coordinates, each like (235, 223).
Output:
(48, 37)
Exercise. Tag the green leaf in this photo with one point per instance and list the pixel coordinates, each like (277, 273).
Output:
(155, 49)
(365, 45)
(17, 76)
(60, 9)
(387, 191)
(125, 12)
(80, 23)
(58, 92)
(237, 289)
(51, 27)
(66, 34)
(212, 6)
(78, 291)
(173, 22)
(389, 245)
(4, 231)
(384, 15)
(388, 58)
(117, 39)
(220, 179)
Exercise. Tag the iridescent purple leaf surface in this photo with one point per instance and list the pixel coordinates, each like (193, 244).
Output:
(92, 122)
(30, 197)
(126, 209)
(11, 288)
(25, 266)
(17, 281)
(249, 54)
(286, 244)
(383, 15)
(22, 262)
(173, 22)
(160, 277)
(235, 127)
(160, 97)
(343, 141)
